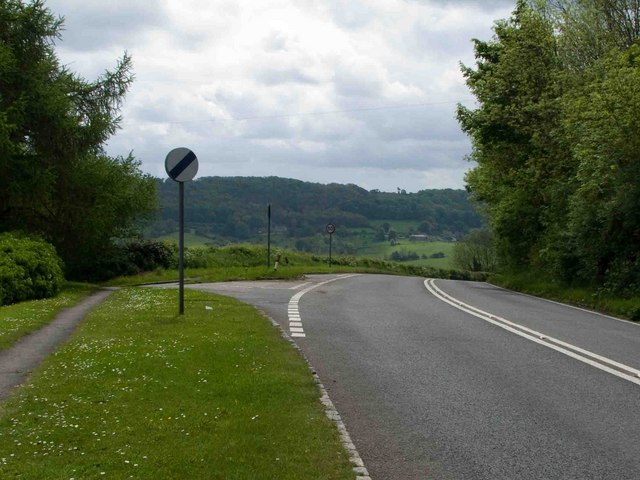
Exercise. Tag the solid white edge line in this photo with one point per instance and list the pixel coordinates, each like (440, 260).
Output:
(531, 335)
(593, 312)
(540, 335)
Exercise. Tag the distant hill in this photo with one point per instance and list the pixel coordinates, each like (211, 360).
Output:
(235, 209)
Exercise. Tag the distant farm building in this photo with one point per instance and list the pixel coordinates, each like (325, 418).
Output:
(418, 238)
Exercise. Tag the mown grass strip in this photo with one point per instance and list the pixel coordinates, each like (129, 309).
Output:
(20, 319)
(140, 392)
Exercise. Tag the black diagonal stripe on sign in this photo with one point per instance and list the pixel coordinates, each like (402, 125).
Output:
(182, 165)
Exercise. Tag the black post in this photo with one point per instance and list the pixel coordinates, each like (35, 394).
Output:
(181, 250)
(269, 236)
(330, 238)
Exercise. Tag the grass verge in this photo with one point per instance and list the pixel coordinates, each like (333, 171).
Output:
(246, 262)
(535, 283)
(22, 318)
(140, 392)
(227, 274)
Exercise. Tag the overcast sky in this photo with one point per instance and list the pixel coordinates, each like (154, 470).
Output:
(346, 91)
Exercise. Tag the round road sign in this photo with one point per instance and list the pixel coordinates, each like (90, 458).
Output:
(331, 228)
(181, 164)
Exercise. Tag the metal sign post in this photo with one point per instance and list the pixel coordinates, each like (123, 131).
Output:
(181, 251)
(269, 236)
(181, 165)
(331, 228)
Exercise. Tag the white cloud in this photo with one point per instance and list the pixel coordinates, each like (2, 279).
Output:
(349, 91)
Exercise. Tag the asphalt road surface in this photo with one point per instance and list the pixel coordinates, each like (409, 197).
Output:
(461, 380)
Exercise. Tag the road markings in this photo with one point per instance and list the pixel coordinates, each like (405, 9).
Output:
(603, 363)
(629, 322)
(295, 322)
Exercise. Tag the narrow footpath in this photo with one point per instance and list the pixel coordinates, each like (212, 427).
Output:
(18, 361)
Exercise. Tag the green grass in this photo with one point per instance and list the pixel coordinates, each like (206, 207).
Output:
(225, 274)
(248, 262)
(190, 239)
(140, 392)
(22, 318)
(384, 250)
(400, 226)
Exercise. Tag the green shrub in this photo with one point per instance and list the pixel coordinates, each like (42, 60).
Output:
(229, 256)
(198, 257)
(29, 269)
(131, 259)
(476, 252)
(148, 255)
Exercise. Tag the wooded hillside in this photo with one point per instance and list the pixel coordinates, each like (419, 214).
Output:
(235, 208)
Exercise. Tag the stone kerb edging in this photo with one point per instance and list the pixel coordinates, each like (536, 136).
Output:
(330, 411)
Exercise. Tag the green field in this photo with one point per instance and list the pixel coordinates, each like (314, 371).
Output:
(365, 246)
(401, 226)
(384, 250)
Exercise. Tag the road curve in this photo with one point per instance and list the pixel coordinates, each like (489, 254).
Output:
(430, 391)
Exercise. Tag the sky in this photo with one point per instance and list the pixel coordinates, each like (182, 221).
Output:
(328, 91)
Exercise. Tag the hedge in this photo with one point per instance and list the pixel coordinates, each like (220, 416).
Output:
(29, 268)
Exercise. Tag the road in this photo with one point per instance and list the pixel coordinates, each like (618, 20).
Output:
(428, 390)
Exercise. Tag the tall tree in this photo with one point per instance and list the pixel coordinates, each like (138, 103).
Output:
(601, 120)
(555, 139)
(513, 131)
(590, 29)
(55, 177)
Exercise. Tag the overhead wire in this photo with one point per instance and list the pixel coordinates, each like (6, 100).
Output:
(308, 114)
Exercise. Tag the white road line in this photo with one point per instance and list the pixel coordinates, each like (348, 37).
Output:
(296, 287)
(295, 322)
(603, 363)
(568, 306)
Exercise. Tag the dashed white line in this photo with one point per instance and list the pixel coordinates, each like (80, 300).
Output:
(295, 322)
(603, 363)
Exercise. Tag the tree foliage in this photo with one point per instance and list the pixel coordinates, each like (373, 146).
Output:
(555, 138)
(55, 177)
(475, 252)
(235, 208)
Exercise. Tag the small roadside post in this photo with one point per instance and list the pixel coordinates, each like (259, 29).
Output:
(331, 228)
(181, 165)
